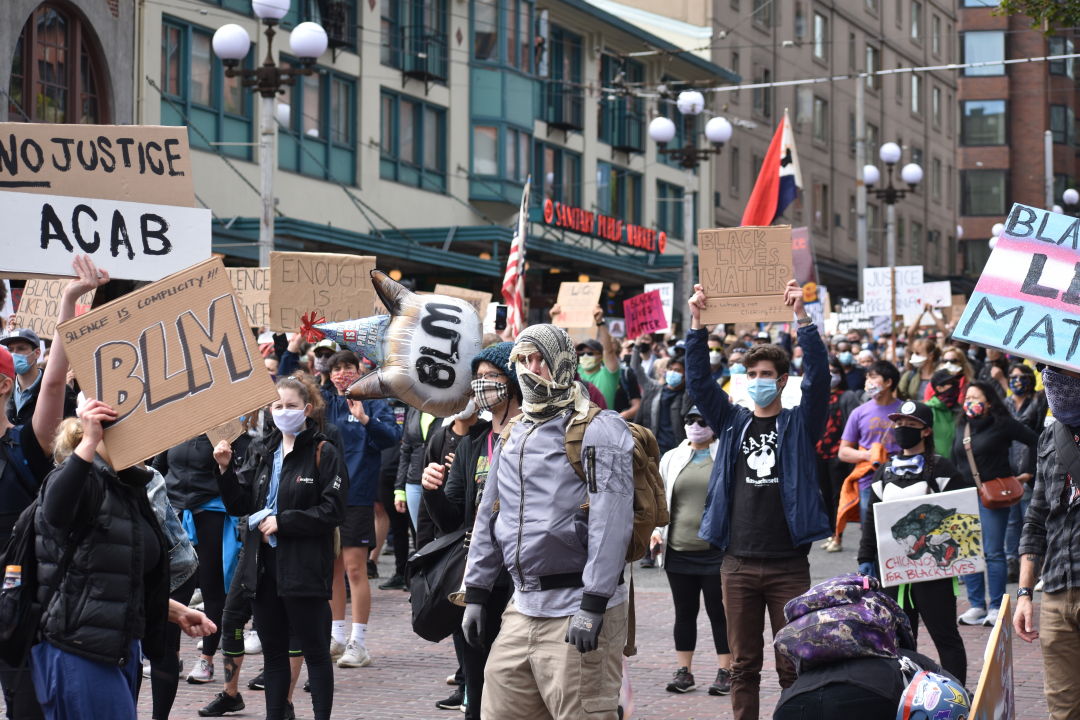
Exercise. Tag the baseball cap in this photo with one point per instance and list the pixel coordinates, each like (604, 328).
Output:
(22, 334)
(692, 412)
(326, 344)
(7, 364)
(943, 377)
(763, 336)
(915, 411)
(590, 344)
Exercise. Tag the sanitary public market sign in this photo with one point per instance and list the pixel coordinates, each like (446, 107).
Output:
(604, 227)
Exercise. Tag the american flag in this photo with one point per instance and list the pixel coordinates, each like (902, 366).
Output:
(513, 287)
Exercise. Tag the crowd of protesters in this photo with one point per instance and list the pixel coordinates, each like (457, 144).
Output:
(781, 426)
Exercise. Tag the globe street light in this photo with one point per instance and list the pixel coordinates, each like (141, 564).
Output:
(231, 43)
(911, 174)
(662, 130)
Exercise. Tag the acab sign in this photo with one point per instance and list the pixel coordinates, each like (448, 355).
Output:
(605, 227)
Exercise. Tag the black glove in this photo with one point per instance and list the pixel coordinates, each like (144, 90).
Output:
(472, 624)
(584, 630)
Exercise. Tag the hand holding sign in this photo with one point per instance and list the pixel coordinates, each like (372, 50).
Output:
(424, 348)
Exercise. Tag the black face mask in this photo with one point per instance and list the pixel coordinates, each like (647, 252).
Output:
(908, 437)
(626, 359)
(644, 349)
(950, 397)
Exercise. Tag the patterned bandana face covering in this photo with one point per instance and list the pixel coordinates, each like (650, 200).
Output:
(543, 399)
(1063, 395)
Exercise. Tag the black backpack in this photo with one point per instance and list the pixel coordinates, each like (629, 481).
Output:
(432, 573)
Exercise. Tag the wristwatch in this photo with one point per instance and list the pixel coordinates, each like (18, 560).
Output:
(804, 320)
(601, 323)
(1024, 592)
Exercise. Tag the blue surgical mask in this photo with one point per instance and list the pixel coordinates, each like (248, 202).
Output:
(23, 364)
(738, 369)
(762, 391)
(846, 358)
(673, 378)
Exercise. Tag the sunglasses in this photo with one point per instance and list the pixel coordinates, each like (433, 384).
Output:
(696, 421)
(587, 353)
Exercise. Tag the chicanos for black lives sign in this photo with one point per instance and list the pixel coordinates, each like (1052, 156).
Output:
(605, 227)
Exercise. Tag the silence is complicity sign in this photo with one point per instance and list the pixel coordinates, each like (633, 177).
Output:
(1027, 300)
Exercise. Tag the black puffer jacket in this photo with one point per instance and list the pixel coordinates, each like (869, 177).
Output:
(104, 601)
(311, 504)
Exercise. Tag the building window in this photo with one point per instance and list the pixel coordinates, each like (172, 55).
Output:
(984, 46)
(872, 6)
(822, 209)
(618, 193)
(800, 21)
(872, 136)
(821, 120)
(503, 32)
(983, 122)
(763, 95)
(982, 192)
(669, 209)
(821, 35)
(196, 93)
(1063, 124)
(916, 21)
(622, 115)
(56, 71)
(762, 13)
(916, 241)
(900, 80)
(935, 105)
(1061, 46)
(916, 93)
(559, 173)
(414, 38)
(320, 139)
(852, 53)
(901, 237)
(735, 69)
(950, 186)
(935, 34)
(485, 150)
(899, 13)
(413, 146)
(873, 65)
(935, 179)
(734, 151)
(564, 95)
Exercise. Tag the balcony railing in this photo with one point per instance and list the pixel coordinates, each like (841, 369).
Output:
(423, 53)
(564, 105)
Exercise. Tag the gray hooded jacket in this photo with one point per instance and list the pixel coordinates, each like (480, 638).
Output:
(540, 531)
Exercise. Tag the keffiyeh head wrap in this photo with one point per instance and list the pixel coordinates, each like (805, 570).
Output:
(543, 399)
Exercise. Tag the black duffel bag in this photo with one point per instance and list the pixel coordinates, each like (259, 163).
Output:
(432, 573)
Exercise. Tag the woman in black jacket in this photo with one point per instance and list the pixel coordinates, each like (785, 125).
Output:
(1029, 406)
(993, 431)
(292, 487)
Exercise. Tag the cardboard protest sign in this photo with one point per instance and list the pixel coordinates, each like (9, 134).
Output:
(227, 431)
(802, 256)
(644, 314)
(929, 537)
(334, 286)
(995, 698)
(938, 294)
(477, 298)
(148, 163)
(877, 289)
(1028, 295)
(132, 240)
(40, 304)
(252, 286)
(667, 297)
(577, 302)
(744, 272)
(853, 316)
(172, 359)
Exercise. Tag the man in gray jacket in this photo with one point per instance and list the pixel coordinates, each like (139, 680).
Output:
(563, 541)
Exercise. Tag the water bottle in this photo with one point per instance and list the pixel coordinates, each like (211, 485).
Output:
(12, 576)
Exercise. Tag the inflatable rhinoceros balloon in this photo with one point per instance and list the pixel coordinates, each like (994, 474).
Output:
(423, 349)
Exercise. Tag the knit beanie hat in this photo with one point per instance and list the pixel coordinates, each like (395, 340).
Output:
(499, 356)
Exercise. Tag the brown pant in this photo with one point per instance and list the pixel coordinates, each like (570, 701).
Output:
(1059, 637)
(753, 587)
(534, 674)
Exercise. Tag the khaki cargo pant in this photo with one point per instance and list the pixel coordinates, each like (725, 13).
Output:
(533, 673)
(1059, 637)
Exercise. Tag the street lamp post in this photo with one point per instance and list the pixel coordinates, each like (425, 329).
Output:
(231, 43)
(912, 175)
(690, 104)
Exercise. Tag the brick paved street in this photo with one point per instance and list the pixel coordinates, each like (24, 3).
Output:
(408, 674)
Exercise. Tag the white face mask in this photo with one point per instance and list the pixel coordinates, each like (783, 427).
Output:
(917, 360)
(715, 358)
(290, 422)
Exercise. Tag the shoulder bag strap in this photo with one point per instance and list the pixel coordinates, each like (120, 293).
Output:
(971, 457)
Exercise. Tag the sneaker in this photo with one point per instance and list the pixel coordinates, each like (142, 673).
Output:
(452, 679)
(290, 711)
(454, 702)
(356, 655)
(647, 562)
(683, 681)
(146, 669)
(722, 684)
(973, 616)
(222, 703)
(202, 673)
(396, 582)
(252, 643)
(307, 686)
(256, 683)
(825, 545)
(336, 650)
(991, 618)
(834, 546)
(372, 570)
(198, 645)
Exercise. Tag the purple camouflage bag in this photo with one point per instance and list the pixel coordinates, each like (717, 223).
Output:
(845, 617)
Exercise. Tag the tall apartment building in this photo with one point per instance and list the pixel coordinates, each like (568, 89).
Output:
(1005, 111)
(769, 41)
